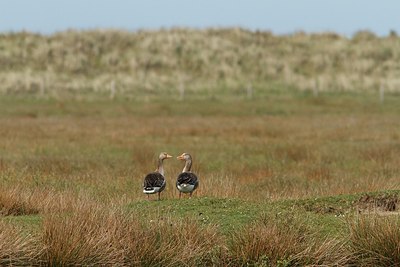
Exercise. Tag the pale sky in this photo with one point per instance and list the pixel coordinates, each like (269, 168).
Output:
(279, 16)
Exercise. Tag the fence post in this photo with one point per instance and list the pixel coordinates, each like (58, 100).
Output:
(112, 90)
(382, 94)
(315, 88)
(249, 91)
(42, 88)
(181, 90)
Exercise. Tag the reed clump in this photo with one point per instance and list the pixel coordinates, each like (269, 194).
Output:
(375, 240)
(94, 235)
(284, 240)
(15, 202)
(17, 248)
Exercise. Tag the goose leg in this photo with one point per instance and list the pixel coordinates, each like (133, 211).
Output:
(159, 196)
(180, 194)
(190, 195)
(148, 196)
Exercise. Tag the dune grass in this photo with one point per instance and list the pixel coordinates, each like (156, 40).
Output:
(72, 64)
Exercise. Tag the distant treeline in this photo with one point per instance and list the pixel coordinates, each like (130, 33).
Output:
(152, 61)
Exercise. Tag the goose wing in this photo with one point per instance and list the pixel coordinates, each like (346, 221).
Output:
(154, 179)
(187, 178)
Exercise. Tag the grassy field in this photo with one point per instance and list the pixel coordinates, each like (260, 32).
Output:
(286, 179)
(295, 139)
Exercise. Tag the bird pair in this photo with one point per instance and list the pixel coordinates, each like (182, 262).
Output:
(186, 182)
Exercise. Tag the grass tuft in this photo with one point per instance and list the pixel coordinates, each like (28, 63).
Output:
(268, 241)
(285, 240)
(15, 203)
(92, 235)
(18, 248)
(85, 237)
(375, 240)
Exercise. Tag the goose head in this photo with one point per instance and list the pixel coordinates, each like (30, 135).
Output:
(185, 157)
(164, 155)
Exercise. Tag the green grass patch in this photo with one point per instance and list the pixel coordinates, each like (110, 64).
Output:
(267, 101)
(25, 220)
(327, 215)
(227, 213)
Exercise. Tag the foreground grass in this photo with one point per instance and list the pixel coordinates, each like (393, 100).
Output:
(211, 231)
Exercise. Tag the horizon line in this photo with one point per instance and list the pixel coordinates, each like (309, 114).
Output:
(171, 28)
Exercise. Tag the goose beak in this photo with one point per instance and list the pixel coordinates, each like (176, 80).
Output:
(180, 157)
(168, 156)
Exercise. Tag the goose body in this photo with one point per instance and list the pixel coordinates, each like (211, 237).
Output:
(187, 182)
(154, 182)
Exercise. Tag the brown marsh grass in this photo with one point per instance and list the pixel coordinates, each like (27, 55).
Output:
(234, 156)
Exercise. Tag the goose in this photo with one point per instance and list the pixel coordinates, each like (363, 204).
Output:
(187, 181)
(154, 182)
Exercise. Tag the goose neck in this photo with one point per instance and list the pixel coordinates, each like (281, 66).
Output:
(160, 167)
(188, 166)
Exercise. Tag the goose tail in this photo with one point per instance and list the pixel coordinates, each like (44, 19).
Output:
(149, 190)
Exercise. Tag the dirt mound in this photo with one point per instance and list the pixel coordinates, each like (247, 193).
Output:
(382, 202)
